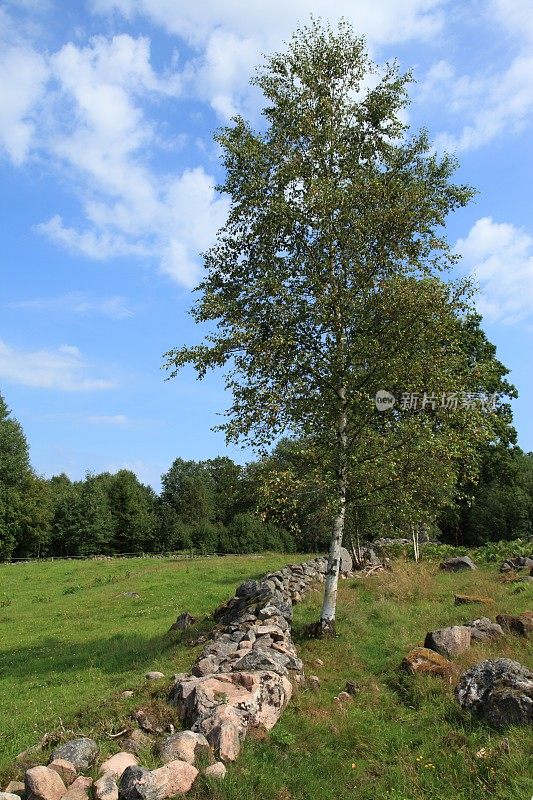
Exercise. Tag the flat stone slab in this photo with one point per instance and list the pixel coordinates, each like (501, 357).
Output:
(426, 661)
(471, 599)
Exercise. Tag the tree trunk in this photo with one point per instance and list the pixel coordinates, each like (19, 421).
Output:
(353, 550)
(329, 606)
(416, 546)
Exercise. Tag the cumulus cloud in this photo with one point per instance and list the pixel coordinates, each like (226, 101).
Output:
(514, 15)
(23, 77)
(387, 21)
(92, 125)
(230, 38)
(63, 368)
(78, 303)
(86, 110)
(500, 258)
(492, 102)
(95, 244)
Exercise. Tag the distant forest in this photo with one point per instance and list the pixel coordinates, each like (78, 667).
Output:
(217, 506)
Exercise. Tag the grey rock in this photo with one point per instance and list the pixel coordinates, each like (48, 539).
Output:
(270, 630)
(147, 721)
(388, 542)
(136, 742)
(268, 611)
(483, 629)
(521, 625)
(154, 676)
(106, 787)
(346, 564)
(295, 664)
(185, 746)
(516, 563)
(80, 752)
(449, 642)
(499, 691)
(138, 783)
(280, 622)
(457, 564)
(263, 643)
(184, 621)
(248, 588)
(220, 649)
(260, 660)
(216, 771)
(205, 666)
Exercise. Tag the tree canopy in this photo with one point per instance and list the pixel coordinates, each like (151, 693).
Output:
(324, 284)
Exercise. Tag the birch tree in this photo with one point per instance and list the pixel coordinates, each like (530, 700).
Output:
(323, 285)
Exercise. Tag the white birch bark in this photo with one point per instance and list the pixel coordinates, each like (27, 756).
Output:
(329, 606)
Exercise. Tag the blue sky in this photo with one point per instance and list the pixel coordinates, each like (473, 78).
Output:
(107, 164)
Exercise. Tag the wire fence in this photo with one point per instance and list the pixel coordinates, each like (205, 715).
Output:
(174, 556)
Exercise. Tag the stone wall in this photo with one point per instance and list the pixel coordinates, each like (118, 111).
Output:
(243, 679)
(245, 675)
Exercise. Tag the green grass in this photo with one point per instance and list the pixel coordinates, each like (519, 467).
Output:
(70, 635)
(400, 738)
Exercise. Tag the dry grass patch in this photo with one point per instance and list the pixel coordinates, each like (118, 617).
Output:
(404, 582)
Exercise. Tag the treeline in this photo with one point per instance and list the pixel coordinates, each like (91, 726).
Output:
(217, 506)
(208, 506)
(497, 506)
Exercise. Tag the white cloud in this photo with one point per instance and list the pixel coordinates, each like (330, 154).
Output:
(121, 61)
(232, 37)
(104, 147)
(191, 216)
(78, 303)
(515, 15)
(92, 243)
(490, 103)
(93, 125)
(494, 104)
(23, 75)
(383, 22)
(500, 258)
(63, 368)
(118, 420)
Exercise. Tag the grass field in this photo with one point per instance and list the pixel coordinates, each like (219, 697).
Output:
(400, 738)
(74, 632)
